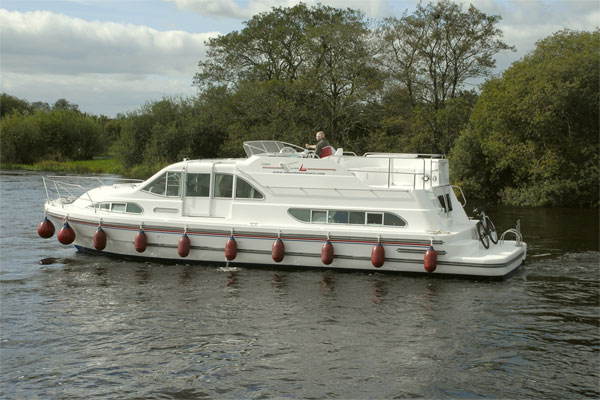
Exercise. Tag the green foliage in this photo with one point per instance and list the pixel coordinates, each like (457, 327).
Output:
(29, 134)
(169, 130)
(10, 104)
(535, 130)
(433, 51)
(312, 67)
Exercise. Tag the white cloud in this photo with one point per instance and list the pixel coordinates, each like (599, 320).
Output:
(45, 53)
(41, 41)
(524, 23)
(230, 9)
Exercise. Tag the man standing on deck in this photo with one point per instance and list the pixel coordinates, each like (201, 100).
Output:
(321, 144)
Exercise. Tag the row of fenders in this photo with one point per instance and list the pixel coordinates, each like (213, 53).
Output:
(66, 235)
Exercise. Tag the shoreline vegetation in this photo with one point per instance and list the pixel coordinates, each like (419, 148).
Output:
(530, 137)
(96, 166)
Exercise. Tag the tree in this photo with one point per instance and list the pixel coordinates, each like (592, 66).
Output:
(431, 54)
(535, 130)
(323, 50)
(435, 50)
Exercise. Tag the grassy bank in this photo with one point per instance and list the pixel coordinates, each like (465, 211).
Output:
(99, 166)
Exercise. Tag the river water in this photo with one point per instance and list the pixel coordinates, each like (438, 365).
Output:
(81, 326)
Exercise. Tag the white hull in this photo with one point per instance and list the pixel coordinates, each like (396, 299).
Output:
(302, 248)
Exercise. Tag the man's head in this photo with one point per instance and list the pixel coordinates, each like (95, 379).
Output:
(320, 135)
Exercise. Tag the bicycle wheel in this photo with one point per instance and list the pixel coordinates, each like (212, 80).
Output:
(483, 236)
(491, 230)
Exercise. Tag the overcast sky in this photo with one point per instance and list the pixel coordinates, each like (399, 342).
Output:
(112, 56)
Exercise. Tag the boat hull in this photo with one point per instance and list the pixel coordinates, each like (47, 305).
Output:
(352, 251)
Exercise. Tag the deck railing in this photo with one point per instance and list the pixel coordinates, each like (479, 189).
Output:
(67, 189)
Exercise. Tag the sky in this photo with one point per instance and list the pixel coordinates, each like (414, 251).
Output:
(113, 56)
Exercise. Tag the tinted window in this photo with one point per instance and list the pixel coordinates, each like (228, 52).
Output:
(357, 217)
(319, 216)
(119, 207)
(158, 185)
(197, 185)
(244, 190)
(168, 184)
(134, 208)
(173, 184)
(301, 214)
(374, 219)
(223, 185)
(338, 217)
(393, 220)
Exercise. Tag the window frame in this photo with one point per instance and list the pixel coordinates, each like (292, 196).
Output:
(327, 212)
(236, 185)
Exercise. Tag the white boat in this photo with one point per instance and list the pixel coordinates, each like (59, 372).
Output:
(284, 206)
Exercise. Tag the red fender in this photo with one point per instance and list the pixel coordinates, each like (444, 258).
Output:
(278, 250)
(230, 248)
(184, 245)
(327, 253)
(377, 255)
(430, 259)
(100, 239)
(66, 234)
(140, 242)
(46, 228)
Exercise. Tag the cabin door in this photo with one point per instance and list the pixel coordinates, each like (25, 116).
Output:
(196, 197)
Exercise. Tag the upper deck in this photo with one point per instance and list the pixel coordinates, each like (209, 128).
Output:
(376, 170)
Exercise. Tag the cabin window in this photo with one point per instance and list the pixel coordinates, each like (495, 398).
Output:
(338, 217)
(357, 217)
(197, 185)
(390, 219)
(244, 190)
(374, 218)
(167, 184)
(223, 185)
(134, 208)
(319, 216)
(118, 207)
(300, 214)
(347, 217)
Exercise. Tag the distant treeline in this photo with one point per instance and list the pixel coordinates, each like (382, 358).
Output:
(529, 137)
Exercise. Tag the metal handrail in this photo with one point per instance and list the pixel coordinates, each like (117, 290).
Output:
(462, 194)
(69, 191)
